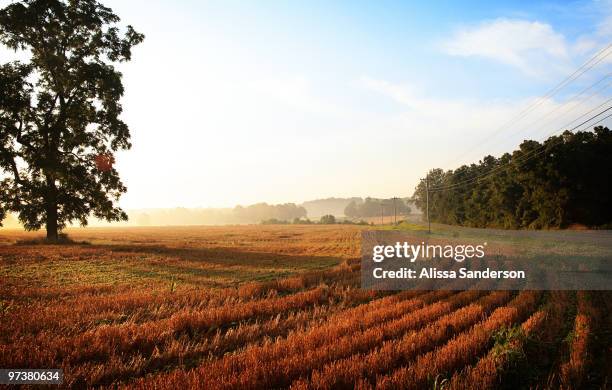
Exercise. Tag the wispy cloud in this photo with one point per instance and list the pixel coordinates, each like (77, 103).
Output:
(460, 112)
(604, 28)
(463, 124)
(519, 43)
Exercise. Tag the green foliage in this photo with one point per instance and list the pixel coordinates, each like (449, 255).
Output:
(509, 343)
(274, 221)
(333, 206)
(371, 207)
(263, 211)
(327, 219)
(59, 112)
(568, 183)
(300, 221)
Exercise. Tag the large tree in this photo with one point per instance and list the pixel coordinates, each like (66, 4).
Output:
(60, 112)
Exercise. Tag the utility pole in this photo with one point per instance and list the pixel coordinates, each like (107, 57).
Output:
(427, 201)
(394, 211)
(382, 213)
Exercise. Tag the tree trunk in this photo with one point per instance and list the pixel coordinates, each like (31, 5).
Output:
(52, 223)
(51, 205)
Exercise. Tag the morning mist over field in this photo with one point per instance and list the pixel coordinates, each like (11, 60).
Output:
(234, 104)
(306, 195)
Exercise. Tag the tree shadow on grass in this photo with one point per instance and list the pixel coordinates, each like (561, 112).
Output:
(229, 256)
(62, 239)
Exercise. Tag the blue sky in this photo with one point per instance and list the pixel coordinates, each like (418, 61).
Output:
(235, 102)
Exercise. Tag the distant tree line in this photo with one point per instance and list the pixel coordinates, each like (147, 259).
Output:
(371, 207)
(262, 211)
(563, 181)
(327, 219)
(334, 206)
(255, 213)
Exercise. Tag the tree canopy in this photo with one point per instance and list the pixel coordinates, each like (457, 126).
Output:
(563, 181)
(262, 211)
(371, 207)
(60, 112)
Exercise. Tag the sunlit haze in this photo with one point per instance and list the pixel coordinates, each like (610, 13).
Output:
(242, 102)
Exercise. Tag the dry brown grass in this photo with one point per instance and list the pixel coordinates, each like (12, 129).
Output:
(255, 307)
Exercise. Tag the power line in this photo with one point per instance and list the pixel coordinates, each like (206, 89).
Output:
(571, 100)
(566, 126)
(576, 104)
(427, 189)
(543, 147)
(526, 156)
(588, 65)
(517, 162)
(570, 123)
(555, 143)
(577, 119)
(394, 210)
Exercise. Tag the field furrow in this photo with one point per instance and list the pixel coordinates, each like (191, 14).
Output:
(461, 350)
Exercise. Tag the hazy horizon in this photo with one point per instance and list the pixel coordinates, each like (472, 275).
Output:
(231, 103)
(186, 216)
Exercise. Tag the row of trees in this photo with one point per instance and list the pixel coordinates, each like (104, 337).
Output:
(563, 181)
(327, 219)
(371, 207)
(334, 206)
(262, 211)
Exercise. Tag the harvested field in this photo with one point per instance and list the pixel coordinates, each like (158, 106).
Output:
(275, 307)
